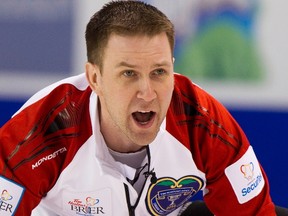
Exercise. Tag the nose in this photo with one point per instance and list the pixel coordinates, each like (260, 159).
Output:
(146, 90)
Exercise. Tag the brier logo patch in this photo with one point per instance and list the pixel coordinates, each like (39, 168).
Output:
(168, 194)
(89, 204)
(10, 196)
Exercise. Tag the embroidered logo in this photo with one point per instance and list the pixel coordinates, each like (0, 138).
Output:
(49, 157)
(167, 194)
(88, 204)
(248, 171)
(87, 207)
(5, 195)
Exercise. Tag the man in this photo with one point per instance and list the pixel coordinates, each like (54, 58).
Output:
(132, 138)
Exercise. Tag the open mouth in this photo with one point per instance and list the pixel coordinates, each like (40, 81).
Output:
(143, 117)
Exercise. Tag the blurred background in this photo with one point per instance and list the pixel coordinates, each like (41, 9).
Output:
(234, 49)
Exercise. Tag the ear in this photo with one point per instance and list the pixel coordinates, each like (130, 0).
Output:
(92, 75)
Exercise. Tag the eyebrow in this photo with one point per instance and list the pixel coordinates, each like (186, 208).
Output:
(126, 64)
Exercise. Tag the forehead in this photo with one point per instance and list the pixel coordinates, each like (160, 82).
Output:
(138, 44)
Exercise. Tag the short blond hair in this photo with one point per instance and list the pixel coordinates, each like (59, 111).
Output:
(124, 18)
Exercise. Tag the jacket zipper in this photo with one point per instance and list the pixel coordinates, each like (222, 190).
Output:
(131, 208)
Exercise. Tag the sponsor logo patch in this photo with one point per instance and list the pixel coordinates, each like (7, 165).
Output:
(89, 204)
(245, 177)
(168, 194)
(10, 196)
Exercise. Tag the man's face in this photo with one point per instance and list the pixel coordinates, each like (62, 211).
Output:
(135, 88)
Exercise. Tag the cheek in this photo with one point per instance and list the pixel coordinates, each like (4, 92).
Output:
(117, 99)
(166, 94)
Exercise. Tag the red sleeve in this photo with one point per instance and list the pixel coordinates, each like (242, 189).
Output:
(216, 141)
(39, 142)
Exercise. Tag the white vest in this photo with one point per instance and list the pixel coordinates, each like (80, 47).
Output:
(93, 183)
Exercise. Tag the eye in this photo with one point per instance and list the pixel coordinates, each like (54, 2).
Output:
(159, 72)
(129, 73)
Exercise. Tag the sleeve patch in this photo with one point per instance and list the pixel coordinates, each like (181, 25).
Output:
(245, 177)
(10, 196)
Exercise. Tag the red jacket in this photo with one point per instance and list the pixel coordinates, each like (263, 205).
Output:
(43, 139)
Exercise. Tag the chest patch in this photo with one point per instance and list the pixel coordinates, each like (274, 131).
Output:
(167, 194)
(88, 204)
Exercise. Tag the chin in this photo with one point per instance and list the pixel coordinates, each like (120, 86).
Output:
(145, 140)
